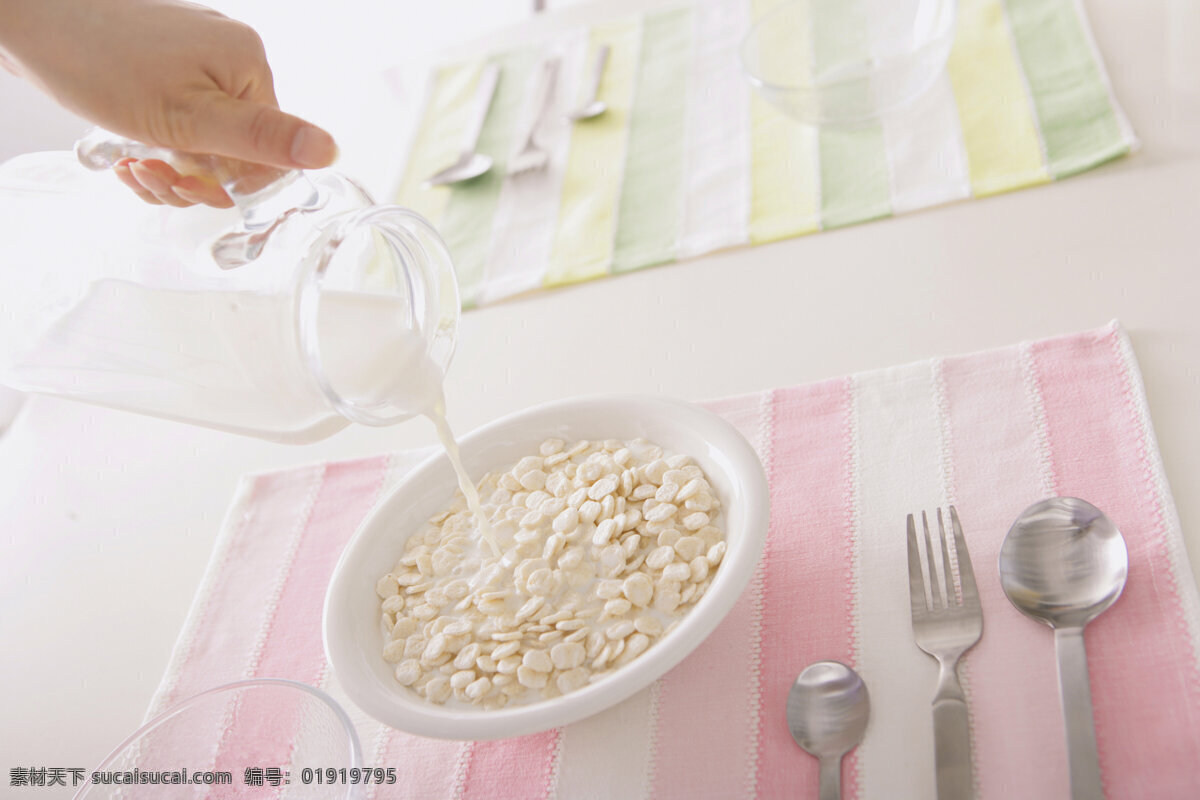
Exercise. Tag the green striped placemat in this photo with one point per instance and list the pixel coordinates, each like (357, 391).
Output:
(688, 159)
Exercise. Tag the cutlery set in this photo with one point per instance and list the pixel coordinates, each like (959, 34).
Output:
(1062, 563)
(532, 154)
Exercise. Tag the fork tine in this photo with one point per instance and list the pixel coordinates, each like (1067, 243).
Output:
(947, 572)
(936, 603)
(966, 575)
(916, 584)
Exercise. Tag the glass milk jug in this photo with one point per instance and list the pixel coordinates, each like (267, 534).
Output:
(319, 308)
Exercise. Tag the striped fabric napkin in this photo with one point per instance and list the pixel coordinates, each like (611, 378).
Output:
(688, 159)
(847, 460)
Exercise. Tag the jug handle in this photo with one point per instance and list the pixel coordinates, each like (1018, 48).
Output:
(264, 195)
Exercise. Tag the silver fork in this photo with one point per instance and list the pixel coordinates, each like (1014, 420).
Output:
(946, 624)
(533, 155)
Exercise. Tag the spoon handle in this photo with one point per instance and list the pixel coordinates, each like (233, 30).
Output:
(831, 777)
(479, 110)
(597, 74)
(1076, 693)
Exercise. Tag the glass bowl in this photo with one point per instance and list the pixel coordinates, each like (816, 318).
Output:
(834, 62)
(251, 739)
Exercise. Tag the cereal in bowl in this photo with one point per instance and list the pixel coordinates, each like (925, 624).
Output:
(604, 546)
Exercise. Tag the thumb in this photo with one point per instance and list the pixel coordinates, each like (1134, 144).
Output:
(260, 133)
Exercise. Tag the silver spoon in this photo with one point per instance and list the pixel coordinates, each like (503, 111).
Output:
(471, 164)
(593, 106)
(827, 712)
(1063, 563)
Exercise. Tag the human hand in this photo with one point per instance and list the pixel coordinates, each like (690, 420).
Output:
(165, 72)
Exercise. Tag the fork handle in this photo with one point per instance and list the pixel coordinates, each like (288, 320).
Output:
(546, 85)
(951, 735)
(952, 749)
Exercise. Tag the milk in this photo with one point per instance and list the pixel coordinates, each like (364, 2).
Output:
(232, 361)
(437, 415)
(227, 360)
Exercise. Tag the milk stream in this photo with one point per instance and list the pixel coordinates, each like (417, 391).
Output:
(437, 415)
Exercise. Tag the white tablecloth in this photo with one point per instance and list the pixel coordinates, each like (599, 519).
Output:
(108, 518)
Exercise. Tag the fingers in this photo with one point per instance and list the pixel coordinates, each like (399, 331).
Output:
(261, 133)
(156, 177)
(125, 175)
(158, 183)
(196, 190)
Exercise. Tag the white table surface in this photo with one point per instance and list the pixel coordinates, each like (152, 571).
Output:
(108, 518)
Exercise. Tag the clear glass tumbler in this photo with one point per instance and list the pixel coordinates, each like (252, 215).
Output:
(846, 62)
(263, 738)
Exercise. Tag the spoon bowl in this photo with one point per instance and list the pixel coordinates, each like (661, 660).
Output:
(827, 712)
(592, 109)
(468, 166)
(1063, 562)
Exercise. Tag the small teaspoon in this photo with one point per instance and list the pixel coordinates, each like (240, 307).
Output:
(827, 712)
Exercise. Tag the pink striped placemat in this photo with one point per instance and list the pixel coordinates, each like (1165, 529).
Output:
(847, 460)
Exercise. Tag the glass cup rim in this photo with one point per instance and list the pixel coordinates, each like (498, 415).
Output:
(196, 699)
(760, 81)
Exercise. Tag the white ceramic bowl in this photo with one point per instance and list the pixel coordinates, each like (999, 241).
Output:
(354, 642)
